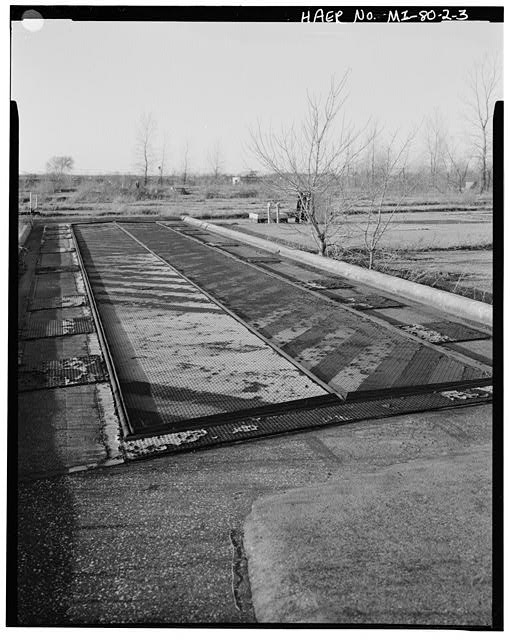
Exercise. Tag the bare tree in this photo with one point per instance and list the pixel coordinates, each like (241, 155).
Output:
(57, 168)
(483, 84)
(216, 160)
(435, 139)
(386, 189)
(145, 144)
(310, 161)
(162, 160)
(372, 153)
(457, 166)
(185, 162)
(59, 165)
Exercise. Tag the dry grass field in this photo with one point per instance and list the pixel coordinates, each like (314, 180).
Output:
(444, 240)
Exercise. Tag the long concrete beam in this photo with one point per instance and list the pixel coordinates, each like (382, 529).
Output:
(451, 303)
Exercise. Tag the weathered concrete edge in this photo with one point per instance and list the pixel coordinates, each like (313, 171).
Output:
(452, 303)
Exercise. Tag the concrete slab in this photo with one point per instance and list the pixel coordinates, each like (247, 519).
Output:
(403, 544)
(152, 542)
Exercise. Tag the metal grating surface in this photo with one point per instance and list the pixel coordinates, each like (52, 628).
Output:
(223, 244)
(262, 260)
(445, 331)
(33, 352)
(58, 269)
(197, 234)
(362, 300)
(178, 356)
(56, 237)
(59, 327)
(308, 277)
(343, 349)
(326, 283)
(456, 332)
(249, 253)
(312, 418)
(51, 285)
(62, 373)
(56, 243)
(57, 302)
(181, 378)
(57, 259)
(53, 248)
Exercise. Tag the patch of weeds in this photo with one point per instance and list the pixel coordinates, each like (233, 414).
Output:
(488, 246)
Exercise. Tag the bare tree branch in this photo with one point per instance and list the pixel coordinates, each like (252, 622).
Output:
(311, 160)
(483, 84)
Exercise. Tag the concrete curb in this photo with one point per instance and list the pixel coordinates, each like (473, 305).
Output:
(464, 308)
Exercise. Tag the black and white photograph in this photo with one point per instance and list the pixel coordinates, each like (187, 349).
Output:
(250, 356)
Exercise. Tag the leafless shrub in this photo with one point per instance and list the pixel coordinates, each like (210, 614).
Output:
(385, 192)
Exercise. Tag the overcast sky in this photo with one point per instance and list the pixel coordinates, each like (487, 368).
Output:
(82, 87)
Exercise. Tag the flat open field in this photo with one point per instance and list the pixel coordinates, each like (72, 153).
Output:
(427, 232)
(440, 240)
(426, 245)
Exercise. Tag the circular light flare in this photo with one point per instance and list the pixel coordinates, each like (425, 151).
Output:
(32, 20)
